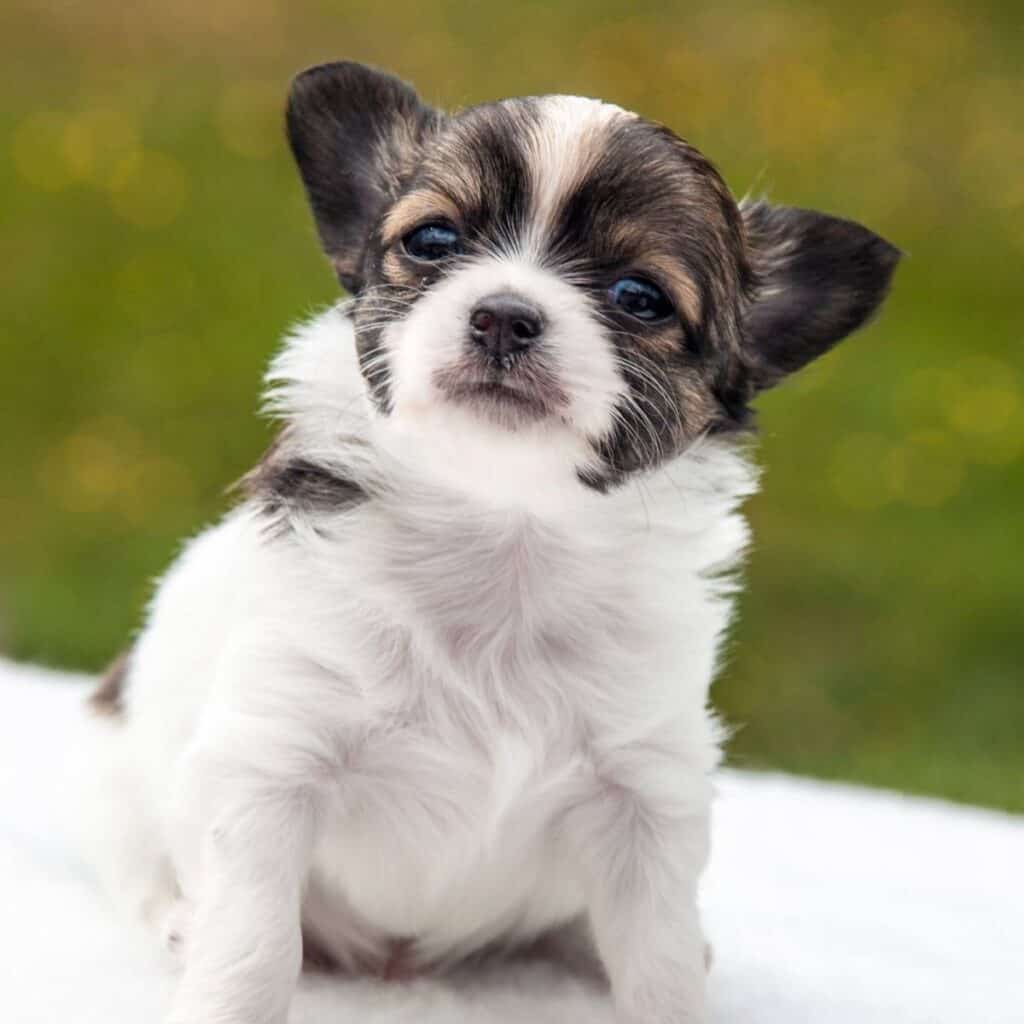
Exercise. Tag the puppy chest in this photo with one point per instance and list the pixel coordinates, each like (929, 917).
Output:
(429, 836)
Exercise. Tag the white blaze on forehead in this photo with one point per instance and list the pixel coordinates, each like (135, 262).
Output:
(568, 141)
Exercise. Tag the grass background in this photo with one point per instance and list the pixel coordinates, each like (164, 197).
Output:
(154, 244)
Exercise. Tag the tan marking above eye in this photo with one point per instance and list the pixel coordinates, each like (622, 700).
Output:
(631, 237)
(416, 208)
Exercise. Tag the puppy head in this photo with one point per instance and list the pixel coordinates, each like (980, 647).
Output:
(558, 279)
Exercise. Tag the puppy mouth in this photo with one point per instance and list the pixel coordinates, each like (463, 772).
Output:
(511, 393)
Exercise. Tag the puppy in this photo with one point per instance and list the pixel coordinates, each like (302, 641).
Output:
(439, 683)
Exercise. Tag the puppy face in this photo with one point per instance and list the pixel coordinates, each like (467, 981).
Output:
(556, 274)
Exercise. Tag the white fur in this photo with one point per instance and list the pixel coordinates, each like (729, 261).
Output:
(567, 141)
(462, 712)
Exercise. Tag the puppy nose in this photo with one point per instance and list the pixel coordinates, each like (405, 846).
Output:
(505, 325)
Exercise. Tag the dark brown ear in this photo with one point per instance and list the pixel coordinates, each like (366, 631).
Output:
(354, 132)
(817, 279)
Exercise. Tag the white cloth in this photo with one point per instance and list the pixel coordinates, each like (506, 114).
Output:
(825, 905)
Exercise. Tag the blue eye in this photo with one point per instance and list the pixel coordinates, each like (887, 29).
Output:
(431, 243)
(640, 298)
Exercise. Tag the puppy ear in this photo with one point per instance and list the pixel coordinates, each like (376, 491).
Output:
(355, 133)
(817, 278)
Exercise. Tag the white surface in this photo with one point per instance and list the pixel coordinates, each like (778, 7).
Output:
(825, 905)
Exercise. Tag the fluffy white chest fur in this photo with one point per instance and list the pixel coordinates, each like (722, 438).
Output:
(454, 681)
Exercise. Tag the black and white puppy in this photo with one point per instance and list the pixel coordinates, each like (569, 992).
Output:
(439, 684)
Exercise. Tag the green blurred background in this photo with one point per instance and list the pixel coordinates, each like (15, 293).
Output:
(155, 244)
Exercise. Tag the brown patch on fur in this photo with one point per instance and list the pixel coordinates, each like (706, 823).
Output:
(419, 207)
(108, 697)
(698, 406)
(397, 271)
(660, 344)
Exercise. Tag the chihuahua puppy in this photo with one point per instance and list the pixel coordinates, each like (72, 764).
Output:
(439, 684)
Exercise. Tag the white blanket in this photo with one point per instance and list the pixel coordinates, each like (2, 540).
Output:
(824, 904)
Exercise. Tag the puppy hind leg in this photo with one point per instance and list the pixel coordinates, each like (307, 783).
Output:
(118, 835)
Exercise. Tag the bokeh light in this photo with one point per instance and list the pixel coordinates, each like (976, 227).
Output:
(148, 189)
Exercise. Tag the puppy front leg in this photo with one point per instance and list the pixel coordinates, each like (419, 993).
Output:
(244, 824)
(244, 946)
(642, 859)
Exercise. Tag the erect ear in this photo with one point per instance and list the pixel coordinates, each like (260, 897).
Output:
(817, 278)
(355, 133)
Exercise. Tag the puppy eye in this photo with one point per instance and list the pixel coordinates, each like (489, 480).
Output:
(431, 242)
(640, 299)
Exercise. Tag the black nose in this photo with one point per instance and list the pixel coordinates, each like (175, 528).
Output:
(505, 325)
